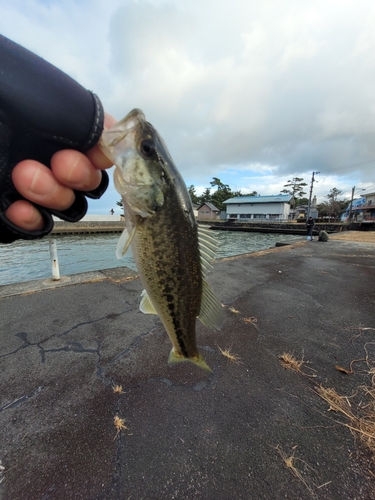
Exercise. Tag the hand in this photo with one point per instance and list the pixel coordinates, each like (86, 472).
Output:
(53, 188)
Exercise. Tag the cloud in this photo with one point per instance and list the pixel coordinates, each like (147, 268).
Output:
(281, 86)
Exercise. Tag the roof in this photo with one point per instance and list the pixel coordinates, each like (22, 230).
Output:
(210, 206)
(277, 198)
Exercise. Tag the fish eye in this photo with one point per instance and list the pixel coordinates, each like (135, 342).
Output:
(147, 148)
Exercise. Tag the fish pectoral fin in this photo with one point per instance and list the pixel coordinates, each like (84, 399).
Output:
(146, 305)
(124, 242)
(198, 360)
(211, 313)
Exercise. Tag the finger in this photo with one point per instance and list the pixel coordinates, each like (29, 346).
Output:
(38, 184)
(24, 215)
(74, 170)
(96, 155)
(109, 121)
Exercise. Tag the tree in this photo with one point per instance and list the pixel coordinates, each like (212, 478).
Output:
(303, 201)
(333, 207)
(295, 187)
(222, 193)
(205, 196)
(220, 186)
(333, 194)
(193, 195)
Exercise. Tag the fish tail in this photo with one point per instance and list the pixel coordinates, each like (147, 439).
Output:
(198, 360)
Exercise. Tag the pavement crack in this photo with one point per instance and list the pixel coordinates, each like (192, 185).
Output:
(303, 293)
(26, 343)
(101, 370)
(110, 316)
(132, 345)
(21, 400)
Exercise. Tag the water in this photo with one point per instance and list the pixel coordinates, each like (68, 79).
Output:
(30, 260)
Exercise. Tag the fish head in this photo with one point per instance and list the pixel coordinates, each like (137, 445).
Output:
(139, 175)
(144, 166)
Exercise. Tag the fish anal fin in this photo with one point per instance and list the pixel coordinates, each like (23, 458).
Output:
(146, 305)
(211, 313)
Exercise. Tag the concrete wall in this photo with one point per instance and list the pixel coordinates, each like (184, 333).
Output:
(97, 218)
(255, 209)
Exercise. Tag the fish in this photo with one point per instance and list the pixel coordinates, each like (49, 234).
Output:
(172, 253)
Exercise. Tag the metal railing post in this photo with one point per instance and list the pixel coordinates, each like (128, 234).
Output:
(54, 260)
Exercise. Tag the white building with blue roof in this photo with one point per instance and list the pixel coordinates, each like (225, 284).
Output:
(243, 208)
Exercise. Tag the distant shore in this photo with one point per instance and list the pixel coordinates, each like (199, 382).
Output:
(83, 227)
(108, 226)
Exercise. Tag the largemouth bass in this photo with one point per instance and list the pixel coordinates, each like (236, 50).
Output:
(171, 254)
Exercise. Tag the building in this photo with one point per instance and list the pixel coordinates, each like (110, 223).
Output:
(245, 208)
(356, 207)
(207, 211)
(361, 209)
(369, 207)
(300, 212)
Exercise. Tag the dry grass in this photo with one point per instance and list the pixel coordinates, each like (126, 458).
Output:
(251, 321)
(290, 462)
(359, 416)
(119, 423)
(117, 389)
(233, 310)
(359, 236)
(289, 362)
(233, 358)
(356, 412)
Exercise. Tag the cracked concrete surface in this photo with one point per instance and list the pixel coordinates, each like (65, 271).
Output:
(189, 434)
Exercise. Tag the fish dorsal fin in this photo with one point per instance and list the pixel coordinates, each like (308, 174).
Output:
(124, 242)
(207, 247)
(211, 313)
(146, 305)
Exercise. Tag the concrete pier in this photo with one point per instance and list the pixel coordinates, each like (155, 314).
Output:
(76, 354)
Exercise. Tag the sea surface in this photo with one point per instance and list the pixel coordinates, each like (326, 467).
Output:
(30, 260)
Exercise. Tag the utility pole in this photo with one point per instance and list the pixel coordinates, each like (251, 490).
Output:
(351, 205)
(311, 190)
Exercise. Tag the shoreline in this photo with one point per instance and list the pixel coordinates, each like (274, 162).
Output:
(124, 273)
(116, 274)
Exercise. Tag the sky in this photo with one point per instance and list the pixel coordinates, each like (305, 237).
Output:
(252, 92)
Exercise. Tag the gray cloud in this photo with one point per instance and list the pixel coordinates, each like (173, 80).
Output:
(284, 83)
(229, 85)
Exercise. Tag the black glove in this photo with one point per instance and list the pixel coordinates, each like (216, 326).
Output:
(42, 110)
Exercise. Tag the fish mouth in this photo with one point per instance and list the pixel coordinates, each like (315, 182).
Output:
(121, 130)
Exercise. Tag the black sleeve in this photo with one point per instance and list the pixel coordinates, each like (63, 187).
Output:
(42, 110)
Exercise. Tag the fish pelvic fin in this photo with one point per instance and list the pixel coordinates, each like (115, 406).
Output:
(124, 242)
(211, 313)
(198, 360)
(146, 305)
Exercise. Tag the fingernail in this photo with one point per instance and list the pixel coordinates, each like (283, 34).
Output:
(42, 184)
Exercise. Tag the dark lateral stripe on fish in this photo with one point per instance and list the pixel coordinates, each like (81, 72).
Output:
(179, 336)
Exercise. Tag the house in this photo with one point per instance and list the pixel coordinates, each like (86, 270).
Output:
(300, 212)
(195, 209)
(369, 207)
(207, 211)
(356, 208)
(242, 208)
